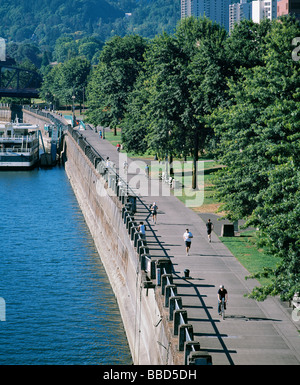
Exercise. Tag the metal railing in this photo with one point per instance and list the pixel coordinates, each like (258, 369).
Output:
(16, 150)
(148, 263)
(159, 268)
(27, 138)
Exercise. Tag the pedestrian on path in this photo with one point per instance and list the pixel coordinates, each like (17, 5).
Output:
(147, 171)
(154, 209)
(142, 230)
(187, 236)
(209, 228)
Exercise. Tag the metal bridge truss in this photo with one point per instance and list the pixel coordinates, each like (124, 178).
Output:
(18, 82)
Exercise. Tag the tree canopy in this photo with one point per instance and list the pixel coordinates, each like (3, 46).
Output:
(199, 90)
(113, 79)
(258, 141)
(183, 78)
(65, 81)
(43, 22)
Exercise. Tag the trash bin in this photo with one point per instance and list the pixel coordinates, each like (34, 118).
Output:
(186, 273)
(199, 358)
(132, 201)
(227, 230)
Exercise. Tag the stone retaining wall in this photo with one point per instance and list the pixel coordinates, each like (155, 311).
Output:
(148, 337)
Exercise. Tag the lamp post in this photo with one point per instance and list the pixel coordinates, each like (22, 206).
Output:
(73, 107)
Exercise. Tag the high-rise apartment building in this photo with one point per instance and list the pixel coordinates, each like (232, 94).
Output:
(264, 9)
(238, 12)
(216, 10)
(288, 7)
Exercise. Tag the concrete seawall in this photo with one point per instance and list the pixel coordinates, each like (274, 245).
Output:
(154, 319)
(141, 309)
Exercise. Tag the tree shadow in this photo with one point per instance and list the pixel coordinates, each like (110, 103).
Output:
(209, 318)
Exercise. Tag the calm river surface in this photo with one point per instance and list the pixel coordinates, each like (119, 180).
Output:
(60, 308)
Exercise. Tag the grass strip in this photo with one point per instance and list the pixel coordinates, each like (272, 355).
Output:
(245, 249)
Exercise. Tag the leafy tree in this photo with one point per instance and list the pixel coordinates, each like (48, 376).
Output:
(184, 81)
(74, 76)
(25, 52)
(241, 126)
(151, 18)
(113, 80)
(50, 89)
(163, 94)
(245, 47)
(279, 231)
(90, 50)
(203, 41)
(65, 48)
(259, 138)
(66, 81)
(135, 118)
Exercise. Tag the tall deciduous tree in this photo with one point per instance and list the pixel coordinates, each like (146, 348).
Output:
(164, 94)
(74, 76)
(259, 143)
(207, 72)
(113, 79)
(65, 81)
(184, 81)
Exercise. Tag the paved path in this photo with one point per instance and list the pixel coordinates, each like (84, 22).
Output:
(253, 332)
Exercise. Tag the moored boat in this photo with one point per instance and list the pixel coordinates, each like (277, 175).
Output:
(19, 146)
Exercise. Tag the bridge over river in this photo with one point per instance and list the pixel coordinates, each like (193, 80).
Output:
(18, 82)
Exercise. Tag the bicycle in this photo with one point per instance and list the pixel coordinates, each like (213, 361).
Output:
(222, 313)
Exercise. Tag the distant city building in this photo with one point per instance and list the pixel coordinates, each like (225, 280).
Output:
(238, 12)
(282, 7)
(216, 10)
(288, 7)
(264, 9)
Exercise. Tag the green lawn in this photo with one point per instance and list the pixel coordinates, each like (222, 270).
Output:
(244, 248)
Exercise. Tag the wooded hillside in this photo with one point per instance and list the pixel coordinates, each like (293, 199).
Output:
(44, 21)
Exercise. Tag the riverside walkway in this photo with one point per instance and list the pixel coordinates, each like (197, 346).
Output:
(253, 333)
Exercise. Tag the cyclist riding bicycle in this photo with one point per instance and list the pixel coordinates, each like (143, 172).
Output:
(222, 293)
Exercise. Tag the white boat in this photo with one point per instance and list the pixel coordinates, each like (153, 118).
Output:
(19, 146)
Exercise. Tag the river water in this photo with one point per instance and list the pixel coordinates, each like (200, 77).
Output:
(59, 305)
